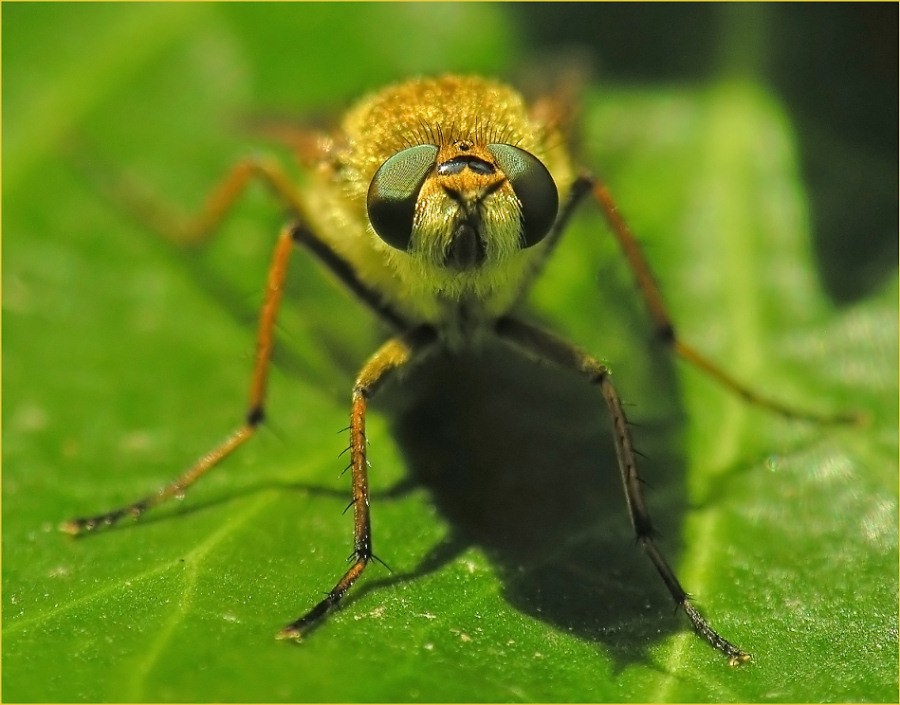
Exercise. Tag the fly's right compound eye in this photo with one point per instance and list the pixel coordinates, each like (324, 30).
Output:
(533, 186)
(392, 196)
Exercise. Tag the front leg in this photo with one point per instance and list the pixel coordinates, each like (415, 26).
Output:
(545, 346)
(393, 355)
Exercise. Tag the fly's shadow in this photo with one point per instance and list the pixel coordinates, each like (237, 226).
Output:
(520, 461)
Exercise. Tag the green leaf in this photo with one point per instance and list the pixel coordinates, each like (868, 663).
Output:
(514, 574)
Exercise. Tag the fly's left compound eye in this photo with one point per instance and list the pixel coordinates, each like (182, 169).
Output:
(392, 196)
(534, 188)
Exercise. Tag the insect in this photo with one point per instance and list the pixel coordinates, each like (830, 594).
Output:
(437, 203)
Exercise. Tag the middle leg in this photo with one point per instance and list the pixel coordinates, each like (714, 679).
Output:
(253, 418)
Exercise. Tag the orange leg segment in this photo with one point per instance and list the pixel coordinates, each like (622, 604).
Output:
(394, 354)
(255, 413)
(666, 330)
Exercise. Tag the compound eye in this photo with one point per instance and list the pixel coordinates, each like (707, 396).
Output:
(534, 188)
(392, 196)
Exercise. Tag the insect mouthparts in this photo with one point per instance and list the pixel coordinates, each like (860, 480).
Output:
(466, 249)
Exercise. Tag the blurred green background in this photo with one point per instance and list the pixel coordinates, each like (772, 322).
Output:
(754, 150)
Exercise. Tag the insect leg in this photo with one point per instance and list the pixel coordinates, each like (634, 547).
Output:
(665, 329)
(578, 190)
(146, 208)
(224, 196)
(255, 413)
(394, 354)
(230, 188)
(343, 271)
(545, 346)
